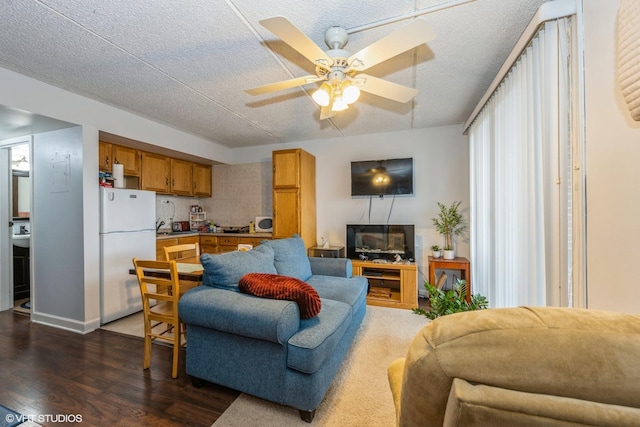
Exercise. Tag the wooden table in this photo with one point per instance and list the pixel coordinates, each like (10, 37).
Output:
(458, 263)
(189, 269)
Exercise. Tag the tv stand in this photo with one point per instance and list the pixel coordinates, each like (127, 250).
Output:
(390, 284)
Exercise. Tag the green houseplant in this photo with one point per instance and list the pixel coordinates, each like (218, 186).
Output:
(451, 301)
(449, 222)
(436, 251)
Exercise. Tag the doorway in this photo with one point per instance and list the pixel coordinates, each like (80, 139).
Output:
(15, 270)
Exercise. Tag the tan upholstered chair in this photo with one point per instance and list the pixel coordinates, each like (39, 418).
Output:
(521, 366)
(161, 321)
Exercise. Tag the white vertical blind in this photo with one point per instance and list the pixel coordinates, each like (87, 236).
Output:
(520, 146)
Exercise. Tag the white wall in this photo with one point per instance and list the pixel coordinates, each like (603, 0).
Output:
(57, 242)
(441, 168)
(613, 175)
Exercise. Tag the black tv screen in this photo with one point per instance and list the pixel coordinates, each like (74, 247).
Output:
(382, 177)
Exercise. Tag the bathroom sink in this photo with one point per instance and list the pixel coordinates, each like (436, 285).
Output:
(21, 240)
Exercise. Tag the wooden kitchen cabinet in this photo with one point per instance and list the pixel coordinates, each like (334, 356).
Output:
(227, 243)
(129, 158)
(208, 244)
(286, 168)
(155, 172)
(213, 244)
(251, 240)
(294, 195)
(108, 154)
(201, 180)
(181, 178)
(163, 243)
(105, 158)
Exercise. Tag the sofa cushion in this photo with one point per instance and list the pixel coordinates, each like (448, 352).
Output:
(351, 291)
(317, 338)
(225, 270)
(290, 257)
(276, 286)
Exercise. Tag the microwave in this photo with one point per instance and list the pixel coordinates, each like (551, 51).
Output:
(264, 224)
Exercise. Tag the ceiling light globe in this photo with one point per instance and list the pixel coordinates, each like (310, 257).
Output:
(321, 96)
(339, 104)
(350, 94)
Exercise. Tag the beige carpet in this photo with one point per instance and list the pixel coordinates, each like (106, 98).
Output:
(360, 394)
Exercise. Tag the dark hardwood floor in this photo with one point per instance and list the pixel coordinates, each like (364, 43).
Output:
(44, 370)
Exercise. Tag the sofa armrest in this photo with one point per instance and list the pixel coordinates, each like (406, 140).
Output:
(240, 314)
(338, 267)
(469, 403)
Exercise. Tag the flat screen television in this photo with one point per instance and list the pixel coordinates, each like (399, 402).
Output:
(382, 177)
(380, 241)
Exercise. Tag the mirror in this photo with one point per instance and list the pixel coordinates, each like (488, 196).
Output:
(21, 194)
(21, 188)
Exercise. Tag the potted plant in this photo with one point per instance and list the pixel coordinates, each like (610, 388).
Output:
(435, 251)
(451, 301)
(449, 222)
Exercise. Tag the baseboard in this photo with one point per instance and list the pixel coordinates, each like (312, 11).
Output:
(66, 324)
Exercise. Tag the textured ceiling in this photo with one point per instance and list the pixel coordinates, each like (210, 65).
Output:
(185, 63)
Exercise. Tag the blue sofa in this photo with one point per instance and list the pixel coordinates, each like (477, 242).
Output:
(261, 346)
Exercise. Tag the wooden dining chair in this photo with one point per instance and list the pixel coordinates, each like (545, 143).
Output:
(159, 283)
(185, 251)
(181, 252)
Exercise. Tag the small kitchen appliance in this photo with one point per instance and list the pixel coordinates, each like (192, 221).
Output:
(263, 224)
(180, 226)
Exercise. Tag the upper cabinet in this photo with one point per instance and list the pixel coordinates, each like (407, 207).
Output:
(181, 177)
(156, 171)
(129, 158)
(286, 168)
(294, 195)
(201, 180)
(110, 153)
(105, 158)
(159, 173)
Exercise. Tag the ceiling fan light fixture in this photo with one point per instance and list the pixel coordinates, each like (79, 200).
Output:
(322, 96)
(339, 104)
(350, 92)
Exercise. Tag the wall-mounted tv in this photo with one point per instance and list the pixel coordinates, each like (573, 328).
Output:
(382, 177)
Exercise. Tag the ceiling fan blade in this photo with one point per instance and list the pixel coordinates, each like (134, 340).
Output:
(285, 84)
(411, 35)
(385, 88)
(326, 112)
(291, 35)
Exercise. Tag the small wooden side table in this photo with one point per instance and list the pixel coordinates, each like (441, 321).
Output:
(458, 263)
(330, 252)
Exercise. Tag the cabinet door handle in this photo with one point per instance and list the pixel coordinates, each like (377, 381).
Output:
(166, 181)
(107, 160)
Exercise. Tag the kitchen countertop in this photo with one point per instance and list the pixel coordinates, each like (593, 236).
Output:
(171, 235)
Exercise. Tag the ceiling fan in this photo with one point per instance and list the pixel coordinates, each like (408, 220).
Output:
(340, 70)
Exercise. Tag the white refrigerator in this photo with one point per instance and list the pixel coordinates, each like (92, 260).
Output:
(127, 230)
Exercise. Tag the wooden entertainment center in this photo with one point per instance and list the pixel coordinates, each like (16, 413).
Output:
(390, 285)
